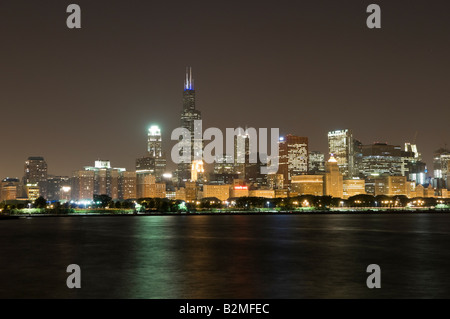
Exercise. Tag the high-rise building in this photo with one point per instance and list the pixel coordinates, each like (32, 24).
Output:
(35, 172)
(316, 162)
(106, 178)
(241, 153)
(333, 181)
(392, 186)
(342, 145)
(293, 157)
(127, 185)
(412, 148)
(154, 142)
(441, 166)
(197, 171)
(82, 185)
(154, 162)
(57, 187)
(102, 179)
(155, 151)
(275, 181)
(224, 164)
(384, 159)
(188, 117)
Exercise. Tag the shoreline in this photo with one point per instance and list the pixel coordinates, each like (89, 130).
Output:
(237, 213)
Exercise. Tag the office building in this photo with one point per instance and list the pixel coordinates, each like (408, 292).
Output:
(384, 159)
(189, 115)
(57, 188)
(342, 145)
(333, 179)
(10, 189)
(127, 185)
(35, 172)
(82, 185)
(221, 192)
(32, 192)
(293, 157)
(154, 161)
(316, 162)
(392, 186)
(354, 186)
(441, 167)
(307, 185)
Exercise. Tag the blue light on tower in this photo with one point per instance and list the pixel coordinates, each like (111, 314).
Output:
(189, 82)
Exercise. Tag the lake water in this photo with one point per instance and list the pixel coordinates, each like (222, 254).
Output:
(284, 256)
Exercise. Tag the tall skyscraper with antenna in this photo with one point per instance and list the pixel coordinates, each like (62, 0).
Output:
(189, 114)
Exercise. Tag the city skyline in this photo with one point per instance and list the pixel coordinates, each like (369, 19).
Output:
(308, 69)
(342, 145)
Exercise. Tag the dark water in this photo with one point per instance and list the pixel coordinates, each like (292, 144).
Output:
(226, 256)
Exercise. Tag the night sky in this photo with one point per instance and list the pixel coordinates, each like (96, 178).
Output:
(307, 67)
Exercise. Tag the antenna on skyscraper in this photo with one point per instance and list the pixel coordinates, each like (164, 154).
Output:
(189, 82)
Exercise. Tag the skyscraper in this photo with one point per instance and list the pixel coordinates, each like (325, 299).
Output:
(56, 186)
(381, 158)
(316, 162)
(188, 116)
(35, 172)
(155, 151)
(441, 166)
(342, 145)
(293, 154)
(154, 162)
(154, 145)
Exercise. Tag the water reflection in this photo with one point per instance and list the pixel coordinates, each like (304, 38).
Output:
(227, 256)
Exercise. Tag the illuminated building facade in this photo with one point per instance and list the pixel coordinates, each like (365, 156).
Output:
(333, 180)
(221, 192)
(307, 185)
(188, 117)
(55, 185)
(441, 167)
(392, 185)
(35, 172)
(154, 162)
(239, 191)
(293, 157)
(191, 191)
(265, 193)
(347, 151)
(82, 185)
(275, 181)
(10, 189)
(197, 171)
(32, 191)
(155, 151)
(341, 145)
(224, 164)
(147, 187)
(316, 162)
(127, 185)
(101, 179)
(106, 178)
(381, 158)
(352, 187)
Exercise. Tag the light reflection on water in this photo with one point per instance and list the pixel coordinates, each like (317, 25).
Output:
(226, 256)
